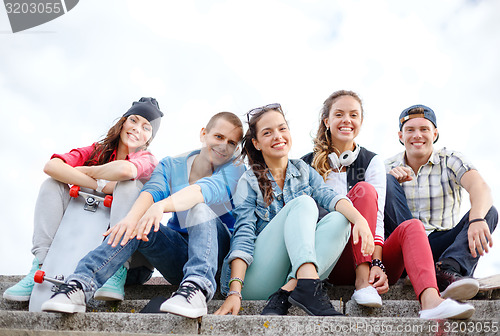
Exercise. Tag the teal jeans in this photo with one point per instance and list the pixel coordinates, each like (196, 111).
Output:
(294, 237)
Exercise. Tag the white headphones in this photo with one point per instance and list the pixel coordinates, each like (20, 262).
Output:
(345, 159)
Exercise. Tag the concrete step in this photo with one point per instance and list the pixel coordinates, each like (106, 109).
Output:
(399, 308)
(100, 322)
(114, 323)
(398, 316)
(160, 287)
(25, 332)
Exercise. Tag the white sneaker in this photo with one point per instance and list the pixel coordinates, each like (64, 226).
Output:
(188, 301)
(449, 309)
(367, 296)
(69, 299)
(462, 289)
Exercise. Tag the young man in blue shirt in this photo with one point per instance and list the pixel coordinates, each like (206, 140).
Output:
(197, 189)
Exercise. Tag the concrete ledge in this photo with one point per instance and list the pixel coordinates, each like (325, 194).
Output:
(299, 326)
(50, 324)
(24, 332)
(158, 286)
(248, 307)
(397, 308)
(100, 322)
(401, 308)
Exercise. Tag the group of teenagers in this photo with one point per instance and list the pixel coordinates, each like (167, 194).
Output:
(281, 228)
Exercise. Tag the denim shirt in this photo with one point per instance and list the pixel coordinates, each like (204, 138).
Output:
(253, 215)
(171, 175)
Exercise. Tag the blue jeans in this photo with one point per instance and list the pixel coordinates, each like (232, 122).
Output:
(179, 257)
(453, 243)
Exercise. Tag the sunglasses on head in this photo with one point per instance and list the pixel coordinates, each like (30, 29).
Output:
(264, 108)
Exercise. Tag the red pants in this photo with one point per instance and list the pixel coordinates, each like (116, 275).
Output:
(407, 247)
(364, 198)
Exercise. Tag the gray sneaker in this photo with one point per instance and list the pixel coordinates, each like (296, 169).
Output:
(188, 301)
(70, 298)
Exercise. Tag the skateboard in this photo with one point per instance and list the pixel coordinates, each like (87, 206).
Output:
(85, 220)
(489, 283)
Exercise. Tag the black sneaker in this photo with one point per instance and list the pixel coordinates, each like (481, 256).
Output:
(277, 303)
(452, 284)
(311, 296)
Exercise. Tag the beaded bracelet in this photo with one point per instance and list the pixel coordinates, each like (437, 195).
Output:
(238, 294)
(477, 220)
(237, 279)
(378, 263)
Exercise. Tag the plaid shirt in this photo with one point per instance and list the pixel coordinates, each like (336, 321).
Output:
(434, 196)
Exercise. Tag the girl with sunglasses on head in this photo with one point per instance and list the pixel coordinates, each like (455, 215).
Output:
(360, 175)
(117, 164)
(278, 248)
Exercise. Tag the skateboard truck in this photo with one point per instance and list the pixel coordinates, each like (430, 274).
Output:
(58, 280)
(91, 201)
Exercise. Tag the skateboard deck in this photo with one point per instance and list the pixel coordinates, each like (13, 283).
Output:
(489, 283)
(85, 220)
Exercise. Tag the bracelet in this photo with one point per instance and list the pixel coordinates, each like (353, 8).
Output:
(477, 220)
(100, 185)
(237, 279)
(378, 263)
(238, 294)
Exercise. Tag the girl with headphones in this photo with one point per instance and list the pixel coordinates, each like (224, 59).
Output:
(360, 174)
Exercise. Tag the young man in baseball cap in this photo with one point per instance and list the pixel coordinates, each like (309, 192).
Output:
(427, 183)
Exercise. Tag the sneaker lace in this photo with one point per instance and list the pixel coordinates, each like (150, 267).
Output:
(320, 291)
(67, 289)
(187, 291)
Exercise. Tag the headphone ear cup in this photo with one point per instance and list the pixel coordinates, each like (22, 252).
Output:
(348, 157)
(334, 160)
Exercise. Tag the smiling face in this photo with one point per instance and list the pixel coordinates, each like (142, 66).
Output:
(135, 133)
(272, 136)
(220, 142)
(418, 135)
(344, 121)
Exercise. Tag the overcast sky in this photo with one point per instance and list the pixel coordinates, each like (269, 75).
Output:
(64, 83)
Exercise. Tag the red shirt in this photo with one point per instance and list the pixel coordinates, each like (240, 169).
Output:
(144, 161)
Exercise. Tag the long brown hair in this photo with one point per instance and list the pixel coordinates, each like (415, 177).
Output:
(104, 148)
(255, 158)
(322, 143)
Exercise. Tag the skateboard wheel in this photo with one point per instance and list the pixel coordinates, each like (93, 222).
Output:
(39, 275)
(108, 200)
(73, 192)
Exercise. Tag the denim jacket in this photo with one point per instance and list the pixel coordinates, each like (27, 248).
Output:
(252, 213)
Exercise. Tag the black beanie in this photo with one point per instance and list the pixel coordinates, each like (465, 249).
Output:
(148, 108)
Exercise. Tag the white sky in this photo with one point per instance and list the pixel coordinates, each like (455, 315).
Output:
(63, 84)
